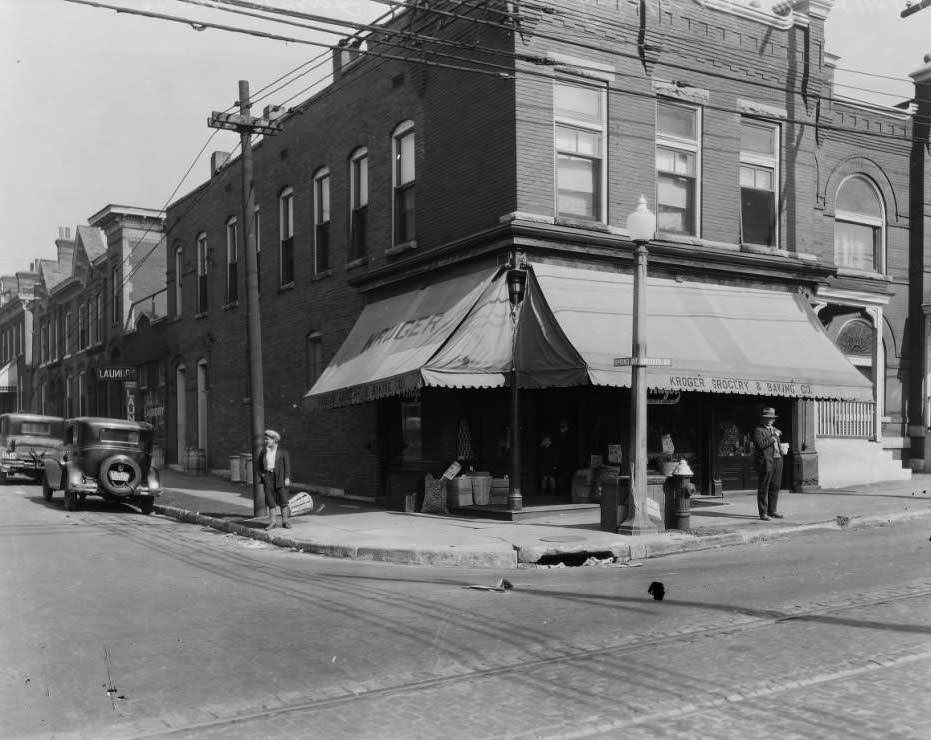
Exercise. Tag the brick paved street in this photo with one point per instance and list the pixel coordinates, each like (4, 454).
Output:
(123, 626)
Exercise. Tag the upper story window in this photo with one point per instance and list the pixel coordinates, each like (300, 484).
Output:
(100, 318)
(116, 280)
(403, 181)
(359, 201)
(82, 393)
(759, 182)
(859, 226)
(322, 221)
(43, 342)
(179, 279)
(83, 342)
(678, 167)
(67, 340)
(579, 118)
(286, 229)
(201, 285)
(232, 260)
(56, 339)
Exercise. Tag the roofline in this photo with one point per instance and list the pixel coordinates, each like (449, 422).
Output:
(874, 107)
(115, 209)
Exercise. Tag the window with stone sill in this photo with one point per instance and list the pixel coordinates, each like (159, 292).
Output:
(579, 136)
(759, 182)
(678, 167)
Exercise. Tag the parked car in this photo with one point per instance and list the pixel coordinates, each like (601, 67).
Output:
(25, 441)
(110, 458)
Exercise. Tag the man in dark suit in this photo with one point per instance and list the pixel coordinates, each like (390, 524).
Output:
(273, 466)
(768, 456)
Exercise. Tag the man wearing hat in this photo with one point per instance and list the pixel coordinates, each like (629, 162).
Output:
(273, 466)
(768, 457)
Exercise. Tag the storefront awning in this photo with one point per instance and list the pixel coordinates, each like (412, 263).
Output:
(393, 339)
(8, 377)
(718, 338)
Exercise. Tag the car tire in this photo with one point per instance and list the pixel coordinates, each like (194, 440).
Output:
(71, 501)
(146, 505)
(126, 462)
(47, 490)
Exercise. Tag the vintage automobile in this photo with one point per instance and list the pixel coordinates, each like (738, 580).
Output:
(110, 458)
(25, 441)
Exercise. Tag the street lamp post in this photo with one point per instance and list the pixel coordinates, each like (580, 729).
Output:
(641, 225)
(517, 283)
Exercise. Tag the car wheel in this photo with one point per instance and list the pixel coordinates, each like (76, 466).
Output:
(46, 489)
(146, 505)
(71, 501)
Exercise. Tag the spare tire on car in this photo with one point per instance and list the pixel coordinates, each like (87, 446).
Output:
(120, 475)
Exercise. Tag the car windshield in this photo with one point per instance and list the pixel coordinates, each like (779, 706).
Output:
(126, 436)
(36, 428)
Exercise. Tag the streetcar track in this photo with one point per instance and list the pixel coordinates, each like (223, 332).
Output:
(853, 668)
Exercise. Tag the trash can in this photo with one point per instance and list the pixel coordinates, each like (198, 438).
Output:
(615, 492)
(245, 459)
(235, 469)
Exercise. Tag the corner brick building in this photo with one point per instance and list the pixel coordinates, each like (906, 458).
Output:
(457, 146)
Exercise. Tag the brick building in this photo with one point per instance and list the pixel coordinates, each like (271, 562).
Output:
(17, 307)
(106, 286)
(460, 145)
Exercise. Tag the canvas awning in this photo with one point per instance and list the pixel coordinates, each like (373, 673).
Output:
(573, 324)
(8, 377)
(718, 338)
(393, 339)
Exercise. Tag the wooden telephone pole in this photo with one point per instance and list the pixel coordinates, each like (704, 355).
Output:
(246, 125)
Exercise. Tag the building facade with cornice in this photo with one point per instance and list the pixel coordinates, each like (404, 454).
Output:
(398, 208)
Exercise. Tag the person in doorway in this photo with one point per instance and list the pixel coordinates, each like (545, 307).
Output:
(273, 465)
(546, 456)
(768, 458)
(565, 458)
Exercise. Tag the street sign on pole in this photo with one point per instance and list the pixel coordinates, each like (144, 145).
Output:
(642, 362)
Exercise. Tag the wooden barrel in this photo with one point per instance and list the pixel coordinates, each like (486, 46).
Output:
(200, 462)
(188, 462)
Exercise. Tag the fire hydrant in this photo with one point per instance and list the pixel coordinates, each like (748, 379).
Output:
(678, 489)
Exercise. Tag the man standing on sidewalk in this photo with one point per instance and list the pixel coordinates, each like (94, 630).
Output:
(274, 468)
(768, 464)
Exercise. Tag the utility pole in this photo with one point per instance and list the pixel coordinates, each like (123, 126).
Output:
(246, 125)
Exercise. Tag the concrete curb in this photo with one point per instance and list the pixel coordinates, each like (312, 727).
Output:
(510, 556)
(503, 556)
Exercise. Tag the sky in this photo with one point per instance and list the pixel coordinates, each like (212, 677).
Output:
(104, 107)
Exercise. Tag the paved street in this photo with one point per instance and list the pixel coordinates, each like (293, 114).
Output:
(116, 625)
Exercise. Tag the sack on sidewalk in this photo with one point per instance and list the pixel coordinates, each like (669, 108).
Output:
(301, 503)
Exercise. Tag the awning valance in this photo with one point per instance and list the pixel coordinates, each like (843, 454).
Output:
(718, 338)
(8, 377)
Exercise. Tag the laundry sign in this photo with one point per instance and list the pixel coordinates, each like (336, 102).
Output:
(117, 372)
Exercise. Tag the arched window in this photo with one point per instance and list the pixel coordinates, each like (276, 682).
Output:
(321, 220)
(232, 260)
(359, 201)
(402, 178)
(286, 230)
(859, 226)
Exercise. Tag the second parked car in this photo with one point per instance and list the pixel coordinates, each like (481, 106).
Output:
(110, 458)
(25, 441)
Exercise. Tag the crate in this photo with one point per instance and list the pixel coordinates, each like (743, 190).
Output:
(459, 491)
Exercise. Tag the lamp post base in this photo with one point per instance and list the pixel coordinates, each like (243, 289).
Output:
(515, 500)
(637, 528)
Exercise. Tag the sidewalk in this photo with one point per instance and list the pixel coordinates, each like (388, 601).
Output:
(361, 531)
